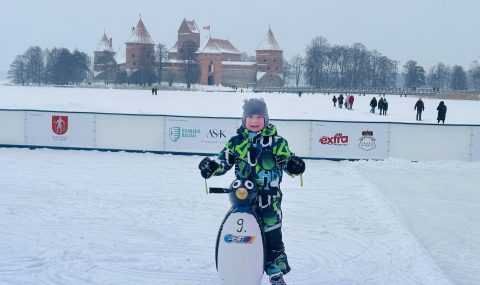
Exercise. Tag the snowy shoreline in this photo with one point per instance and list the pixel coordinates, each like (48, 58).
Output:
(228, 104)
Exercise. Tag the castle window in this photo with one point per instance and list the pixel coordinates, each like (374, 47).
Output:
(211, 67)
(134, 63)
(268, 68)
(264, 60)
(274, 60)
(133, 55)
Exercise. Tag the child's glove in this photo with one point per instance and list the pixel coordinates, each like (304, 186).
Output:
(295, 165)
(207, 167)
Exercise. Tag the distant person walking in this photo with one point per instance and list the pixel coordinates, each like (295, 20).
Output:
(442, 112)
(340, 101)
(385, 107)
(380, 105)
(420, 107)
(334, 100)
(350, 102)
(373, 104)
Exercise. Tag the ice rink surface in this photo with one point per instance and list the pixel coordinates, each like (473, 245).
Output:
(88, 217)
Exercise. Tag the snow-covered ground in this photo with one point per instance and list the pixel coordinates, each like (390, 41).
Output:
(227, 104)
(88, 217)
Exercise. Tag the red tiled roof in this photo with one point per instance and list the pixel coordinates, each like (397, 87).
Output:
(140, 35)
(218, 46)
(269, 42)
(104, 44)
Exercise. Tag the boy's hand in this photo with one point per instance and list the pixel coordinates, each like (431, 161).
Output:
(295, 165)
(207, 167)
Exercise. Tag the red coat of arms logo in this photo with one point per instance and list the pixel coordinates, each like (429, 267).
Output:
(59, 124)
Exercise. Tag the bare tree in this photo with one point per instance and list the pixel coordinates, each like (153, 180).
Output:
(161, 56)
(80, 65)
(286, 71)
(459, 78)
(18, 71)
(298, 66)
(347, 66)
(108, 66)
(414, 74)
(191, 68)
(474, 73)
(343, 65)
(316, 61)
(439, 76)
(145, 73)
(35, 64)
(387, 72)
(52, 57)
(359, 65)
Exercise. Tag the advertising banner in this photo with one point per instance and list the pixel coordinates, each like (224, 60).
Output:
(349, 140)
(60, 129)
(208, 135)
(12, 127)
(476, 144)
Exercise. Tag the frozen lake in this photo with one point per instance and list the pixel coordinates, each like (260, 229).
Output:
(88, 217)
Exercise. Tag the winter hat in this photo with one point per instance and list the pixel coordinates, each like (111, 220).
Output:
(255, 106)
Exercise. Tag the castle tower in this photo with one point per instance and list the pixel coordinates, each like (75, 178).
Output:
(104, 46)
(269, 54)
(140, 48)
(188, 31)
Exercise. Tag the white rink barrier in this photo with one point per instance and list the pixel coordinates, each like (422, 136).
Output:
(208, 135)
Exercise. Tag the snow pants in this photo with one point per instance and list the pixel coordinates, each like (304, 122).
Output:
(269, 207)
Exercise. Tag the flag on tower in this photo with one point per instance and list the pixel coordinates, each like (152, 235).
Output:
(207, 28)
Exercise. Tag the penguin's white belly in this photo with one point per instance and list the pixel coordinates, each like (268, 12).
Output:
(240, 254)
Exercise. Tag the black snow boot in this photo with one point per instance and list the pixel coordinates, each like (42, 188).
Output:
(277, 279)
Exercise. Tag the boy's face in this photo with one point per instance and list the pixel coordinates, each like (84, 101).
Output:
(255, 123)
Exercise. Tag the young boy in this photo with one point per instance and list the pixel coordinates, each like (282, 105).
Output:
(260, 155)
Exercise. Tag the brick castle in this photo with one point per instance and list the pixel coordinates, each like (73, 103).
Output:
(219, 61)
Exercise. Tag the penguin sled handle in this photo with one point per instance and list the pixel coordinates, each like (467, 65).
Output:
(217, 190)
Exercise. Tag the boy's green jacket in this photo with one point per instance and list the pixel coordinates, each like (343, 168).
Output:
(260, 157)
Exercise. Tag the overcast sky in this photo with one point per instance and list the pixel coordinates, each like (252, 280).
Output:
(428, 31)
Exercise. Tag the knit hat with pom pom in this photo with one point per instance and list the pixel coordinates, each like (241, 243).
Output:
(255, 106)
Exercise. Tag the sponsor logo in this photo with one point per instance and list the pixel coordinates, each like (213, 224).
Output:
(176, 133)
(367, 141)
(214, 133)
(239, 239)
(59, 124)
(338, 139)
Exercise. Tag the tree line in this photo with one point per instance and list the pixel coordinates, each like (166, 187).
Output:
(442, 76)
(56, 66)
(354, 66)
(323, 66)
(342, 66)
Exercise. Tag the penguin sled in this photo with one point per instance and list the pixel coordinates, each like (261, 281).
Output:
(240, 248)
